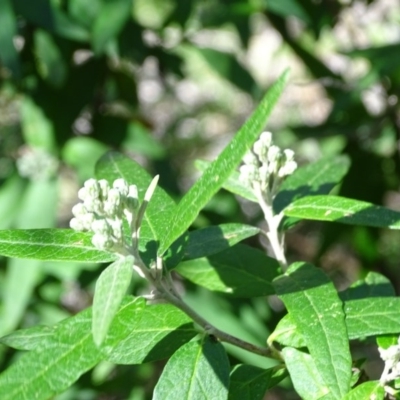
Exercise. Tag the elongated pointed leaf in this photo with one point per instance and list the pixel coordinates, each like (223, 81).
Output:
(305, 375)
(214, 239)
(373, 285)
(233, 184)
(54, 365)
(343, 210)
(51, 245)
(240, 270)
(366, 391)
(198, 370)
(143, 333)
(216, 174)
(312, 179)
(250, 383)
(364, 317)
(37, 209)
(111, 287)
(315, 307)
(61, 353)
(28, 339)
(372, 316)
(8, 30)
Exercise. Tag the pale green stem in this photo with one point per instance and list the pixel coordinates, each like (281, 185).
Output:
(276, 238)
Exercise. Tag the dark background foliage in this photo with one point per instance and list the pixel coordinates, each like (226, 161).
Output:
(169, 81)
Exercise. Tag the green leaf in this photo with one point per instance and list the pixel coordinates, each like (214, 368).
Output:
(317, 311)
(343, 210)
(364, 317)
(82, 153)
(228, 67)
(61, 353)
(232, 184)
(37, 208)
(372, 316)
(286, 333)
(240, 270)
(28, 339)
(143, 333)
(49, 16)
(109, 22)
(250, 383)
(312, 179)
(214, 239)
(54, 365)
(111, 287)
(305, 375)
(50, 63)
(114, 165)
(366, 391)
(51, 245)
(216, 174)
(11, 192)
(8, 30)
(373, 285)
(198, 370)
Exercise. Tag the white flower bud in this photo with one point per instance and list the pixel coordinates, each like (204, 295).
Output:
(91, 189)
(250, 159)
(248, 174)
(101, 226)
(76, 224)
(82, 193)
(102, 242)
(122, 186)
(132, 200)
(274, 154)
(117, 228)
(287, 169)
(289, 154)
(112, 205)
(94, 205)
(266, 138)
(79, 210)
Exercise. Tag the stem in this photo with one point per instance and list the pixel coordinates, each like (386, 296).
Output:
(210, 329)
(276, 238)
(168, 291)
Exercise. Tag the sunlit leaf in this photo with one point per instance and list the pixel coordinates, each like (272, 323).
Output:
(198, 370)
(111, 287)
(315, 307)
(216, 174)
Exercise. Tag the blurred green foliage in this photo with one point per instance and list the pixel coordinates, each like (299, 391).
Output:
(164, 81)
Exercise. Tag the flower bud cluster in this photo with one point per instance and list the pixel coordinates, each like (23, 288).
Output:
(103, 210)
(391, 357)
(267, 164)
(36, 164)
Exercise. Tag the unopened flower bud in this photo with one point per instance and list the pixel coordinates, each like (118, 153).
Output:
(122, 186)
